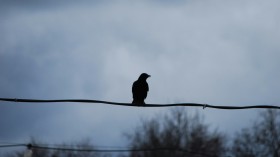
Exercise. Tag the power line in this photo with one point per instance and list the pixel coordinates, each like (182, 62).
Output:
(145, 105)
(12, 145)
(64, 148)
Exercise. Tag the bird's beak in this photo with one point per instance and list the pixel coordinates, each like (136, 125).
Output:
(149, 75)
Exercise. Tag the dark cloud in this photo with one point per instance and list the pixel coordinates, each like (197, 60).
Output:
(212, 52)
(43, 3)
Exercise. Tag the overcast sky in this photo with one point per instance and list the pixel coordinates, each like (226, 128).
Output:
(217, 52)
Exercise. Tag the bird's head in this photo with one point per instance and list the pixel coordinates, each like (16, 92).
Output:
(144, 76)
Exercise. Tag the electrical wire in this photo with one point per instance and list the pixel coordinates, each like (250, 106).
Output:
(12, 145)
(64, 148)
(136, 105)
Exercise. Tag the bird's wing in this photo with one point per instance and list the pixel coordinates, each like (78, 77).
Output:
(134, 87)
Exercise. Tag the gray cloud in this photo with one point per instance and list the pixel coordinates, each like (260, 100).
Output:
(223, 53)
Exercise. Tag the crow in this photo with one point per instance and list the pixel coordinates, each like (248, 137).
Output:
(140, 89)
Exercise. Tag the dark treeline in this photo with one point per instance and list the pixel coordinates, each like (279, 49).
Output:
(180, 134)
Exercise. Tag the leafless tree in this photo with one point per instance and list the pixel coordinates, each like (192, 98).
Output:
(262, 139)
(176, 133)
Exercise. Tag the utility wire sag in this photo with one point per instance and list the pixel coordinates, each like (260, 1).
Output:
(144, 105)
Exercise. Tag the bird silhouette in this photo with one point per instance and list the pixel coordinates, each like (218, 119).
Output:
(140, 89)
